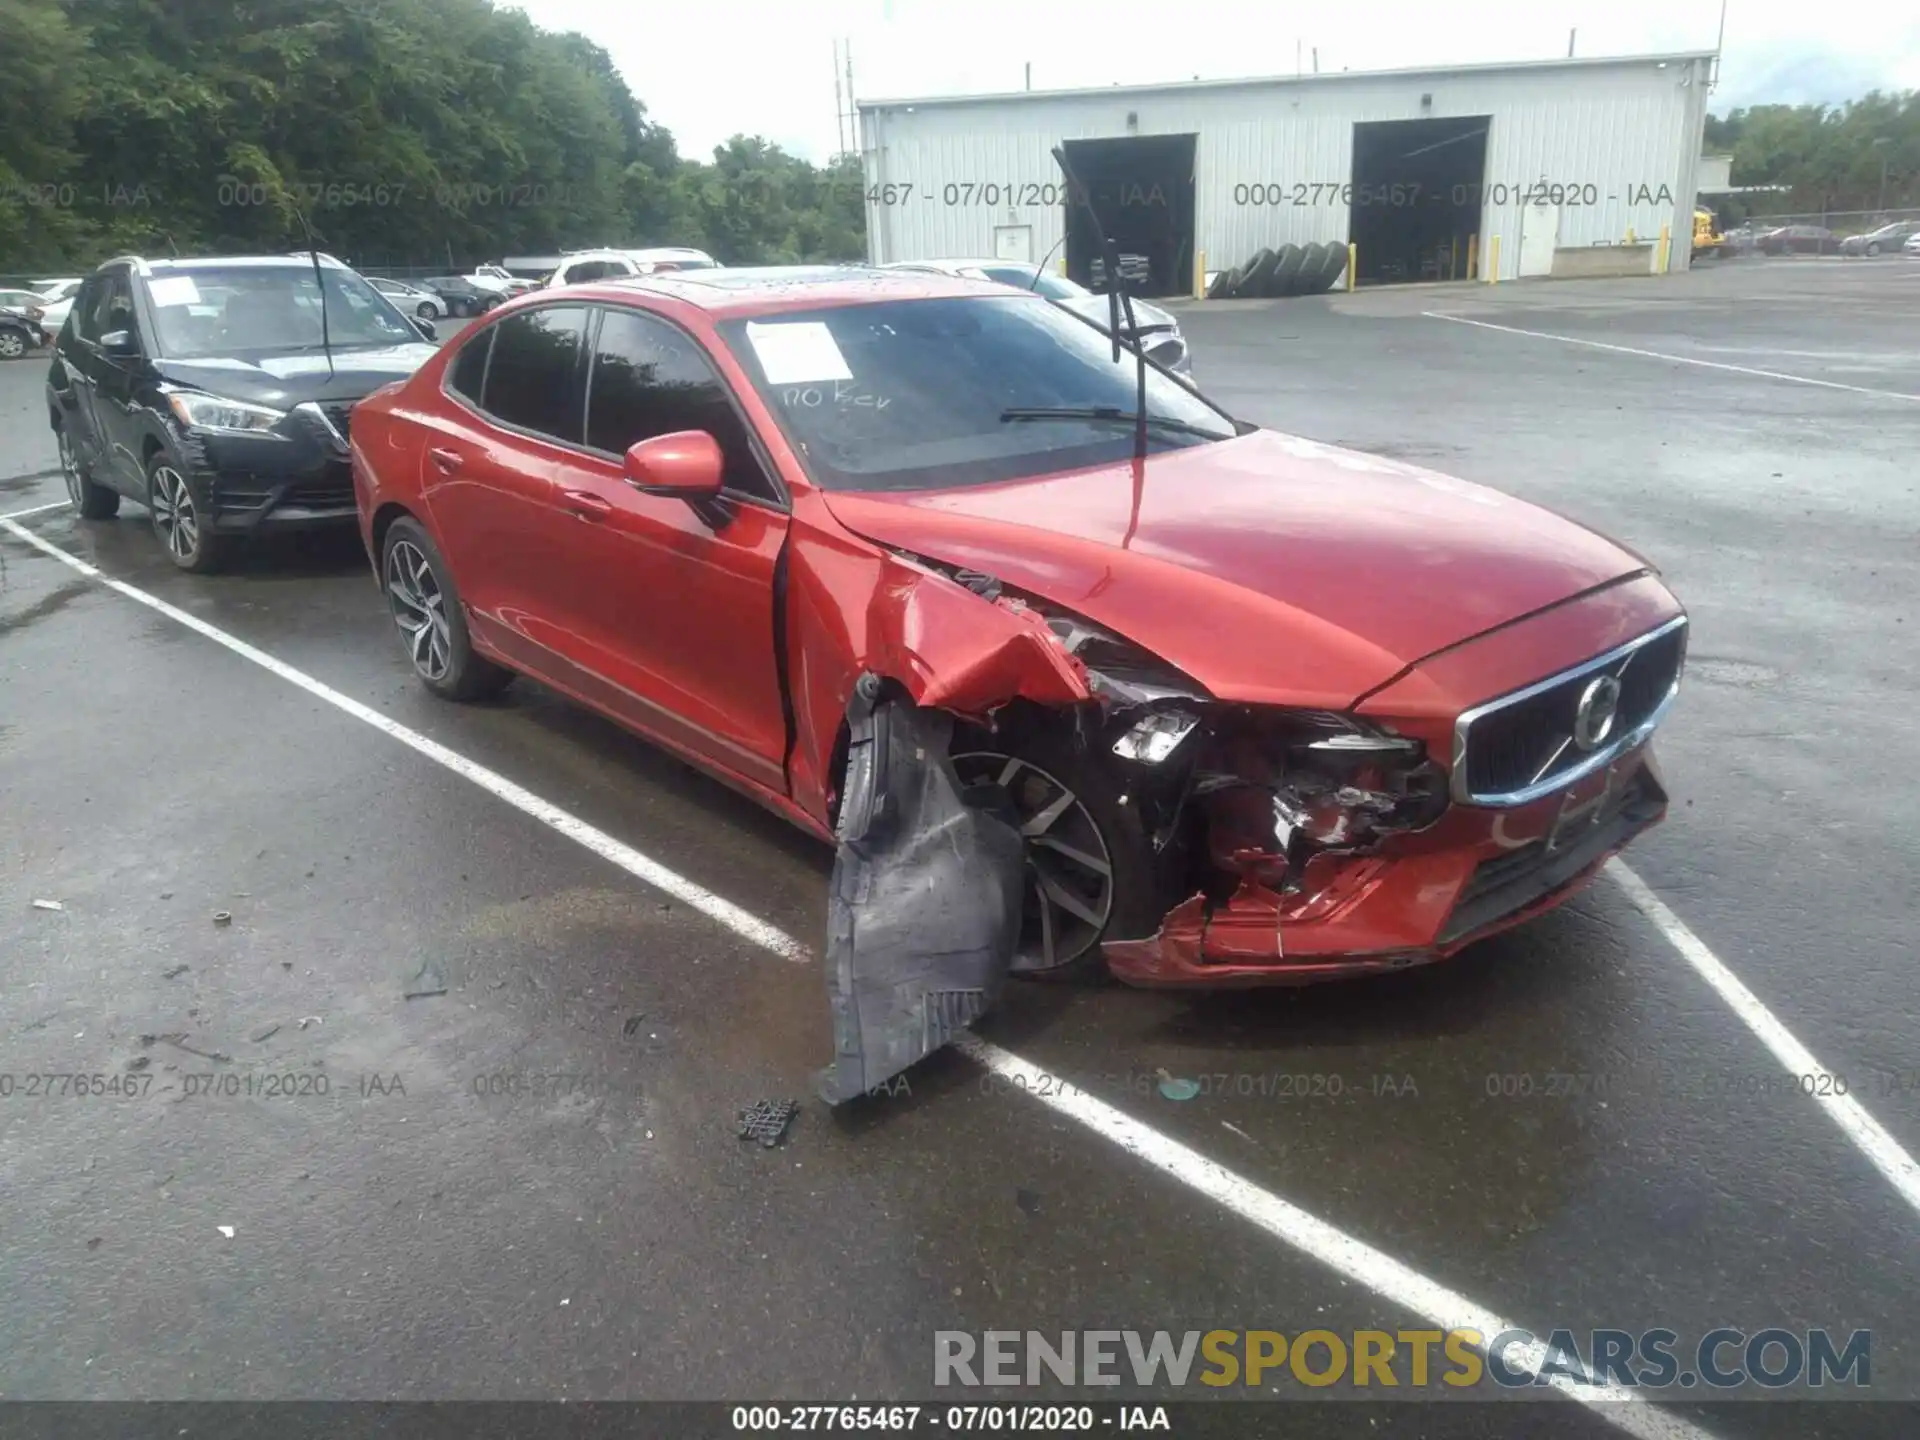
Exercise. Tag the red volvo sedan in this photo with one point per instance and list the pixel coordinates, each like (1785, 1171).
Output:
(1189, 700)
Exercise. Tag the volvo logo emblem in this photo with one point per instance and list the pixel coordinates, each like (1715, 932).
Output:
(1599, 704)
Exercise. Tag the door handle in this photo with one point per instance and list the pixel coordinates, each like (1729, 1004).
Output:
(446, 461)
(586, 504)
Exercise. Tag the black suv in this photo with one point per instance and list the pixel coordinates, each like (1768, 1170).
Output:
(208, 391)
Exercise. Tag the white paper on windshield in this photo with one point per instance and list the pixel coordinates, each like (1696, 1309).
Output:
(800, 352)
(174, 290)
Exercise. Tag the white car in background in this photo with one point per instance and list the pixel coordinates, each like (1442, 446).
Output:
(1159, 331)
(58, 297)
(1912, 247)
(582, 266)
(410, 298)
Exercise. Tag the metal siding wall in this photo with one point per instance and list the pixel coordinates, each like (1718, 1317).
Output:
(1618, 127)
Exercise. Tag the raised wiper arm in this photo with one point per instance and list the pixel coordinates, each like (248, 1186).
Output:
(1109, 413)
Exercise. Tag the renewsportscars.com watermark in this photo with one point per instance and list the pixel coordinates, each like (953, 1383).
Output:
(1724, 1359)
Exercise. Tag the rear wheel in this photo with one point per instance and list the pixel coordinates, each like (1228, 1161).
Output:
(426, 610)
(94, 502)
(426, 309)
(1091, 871)
(13, 343)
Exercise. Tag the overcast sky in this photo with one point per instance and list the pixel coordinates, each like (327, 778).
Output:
(765, 67)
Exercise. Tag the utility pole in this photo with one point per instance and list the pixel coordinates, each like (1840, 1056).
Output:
(1570, 34)
(1883, 144)
(1719, 44)
(1029, 74)
(839, 110)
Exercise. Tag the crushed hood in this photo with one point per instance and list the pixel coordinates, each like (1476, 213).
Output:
(1271, 569)
(292, 377)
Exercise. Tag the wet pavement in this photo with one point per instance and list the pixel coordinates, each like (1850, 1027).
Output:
(528, 1185)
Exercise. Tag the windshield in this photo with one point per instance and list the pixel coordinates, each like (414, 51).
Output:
(911, 394)
(204, 313)
(1053, 287)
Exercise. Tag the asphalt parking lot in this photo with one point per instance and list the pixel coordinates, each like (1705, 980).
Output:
(1580, 1126)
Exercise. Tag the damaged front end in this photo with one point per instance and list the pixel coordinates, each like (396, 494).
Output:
(1259, 816)
(1280, 810)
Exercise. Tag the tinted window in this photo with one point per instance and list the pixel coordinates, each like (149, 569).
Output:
(911, 394)
(651, 379)
(85, 316)
(110, 307)
(533, 380)
(469, 367)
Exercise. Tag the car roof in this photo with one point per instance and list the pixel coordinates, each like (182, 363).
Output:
(762, 289)
(144, 266)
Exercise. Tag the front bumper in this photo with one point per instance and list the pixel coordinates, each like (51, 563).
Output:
(1422, 898)
(250, 483)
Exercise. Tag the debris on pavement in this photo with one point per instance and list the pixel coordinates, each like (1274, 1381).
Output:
(1027, 1200)
(139, 1062)
(226, 1230)
(1238, 1131)
(632, 1027)
(266, 1033)
(223, 917)
(175, 972)
(48, 905)
(179, 1042)
(767, 1121)
(1177, 1087)
(306, 1020)
(94, 1243)
(426, 982)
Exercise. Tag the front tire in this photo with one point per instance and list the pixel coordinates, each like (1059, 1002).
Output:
(1092, 871)
(13, 344)
(93, 502)
(182, 522)
(1873, 247)
(426, 610)
(426, 310)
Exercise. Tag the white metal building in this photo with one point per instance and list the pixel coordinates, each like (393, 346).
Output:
(1415, 167)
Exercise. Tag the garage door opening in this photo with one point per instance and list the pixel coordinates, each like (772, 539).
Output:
(1417, 188)
(1142, 186)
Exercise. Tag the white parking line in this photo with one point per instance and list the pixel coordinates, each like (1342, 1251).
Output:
(1886, 1153)
(36, 510)
(739, 921)
(1676, 359)
(1379, 1272)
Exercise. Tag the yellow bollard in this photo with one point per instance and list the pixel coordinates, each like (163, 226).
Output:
(1493, 261)
(1200, 275)
(1473, 255)
(1630, 236)
(1665, 253)
(1353, 267)
(1453, 258)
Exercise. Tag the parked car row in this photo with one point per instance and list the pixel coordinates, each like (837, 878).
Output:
(1067, 658)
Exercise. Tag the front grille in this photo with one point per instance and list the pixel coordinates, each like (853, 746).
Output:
(1515, 749)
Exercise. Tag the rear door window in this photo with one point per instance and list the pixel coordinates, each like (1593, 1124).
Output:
(533, 376)
(469, 369)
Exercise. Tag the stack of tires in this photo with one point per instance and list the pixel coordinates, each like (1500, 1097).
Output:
(1290, 270)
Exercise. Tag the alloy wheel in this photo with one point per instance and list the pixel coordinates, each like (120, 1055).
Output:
(174, 515)
(1069, 868)
(420, 610)
(12, 344)
(69, 467)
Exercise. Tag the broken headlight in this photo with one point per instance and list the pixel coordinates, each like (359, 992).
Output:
(1155, 736)
(1286, 784)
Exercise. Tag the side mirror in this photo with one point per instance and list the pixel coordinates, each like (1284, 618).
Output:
(425, 327)
(120, 343)
(686, 465)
